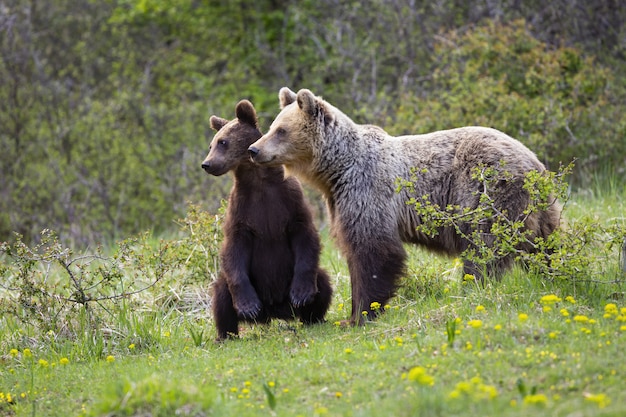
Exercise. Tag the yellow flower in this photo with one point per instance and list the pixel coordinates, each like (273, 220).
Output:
(64, 361)
(497, 327)
(570, 299)
(601, 399)
(348, 350)
(538, 399)
(552, 335)
(564, 312)
(581, 319)
(14, 352)
(131, 346)
(610, 309)
(247, 383)
(546, 309)
(522, 317)
(480, 308)
(375, 305)
(27, 353)
(338, 394)
(43, 363)
(110, 358)
(550, 299)
(476, 324)
(469, 277)
(418, 374)
(271, 384)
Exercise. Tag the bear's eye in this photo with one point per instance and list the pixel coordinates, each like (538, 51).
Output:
(280, 131)
(221, 142)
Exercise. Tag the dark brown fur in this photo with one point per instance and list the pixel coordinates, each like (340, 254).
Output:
(270, 253)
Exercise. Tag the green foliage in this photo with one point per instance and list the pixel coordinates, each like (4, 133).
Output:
(198, 249)
(572, 252)
(104, 105)
(50, 289)
(499, 75)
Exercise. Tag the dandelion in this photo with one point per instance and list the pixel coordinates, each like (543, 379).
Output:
(564, 312)
(375, 306)
(550, 299)
(622, 329)
(468, 278)
(166, 334)
(552, 335)
(497, 327)
(337, 323)
(348, 350)
(476, 324)
(338, 394)
(570, 299)
(271, 384)
(418, 374)
(64, 361)
(399, 341)
(14, 352)
(581, 319)
(27, 353)
(247, 383)
(480, 308)
(536, 399)
(546, 309)
(522, 317)
(234, 389)
(43, 363)
(601, 399)
(110, 358)
(611, 309)
(387, 307)
(340, 307)
(131, 346)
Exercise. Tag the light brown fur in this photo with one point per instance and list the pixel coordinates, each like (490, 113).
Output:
(356, 168)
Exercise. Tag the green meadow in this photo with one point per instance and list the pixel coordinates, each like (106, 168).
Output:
(445, 346)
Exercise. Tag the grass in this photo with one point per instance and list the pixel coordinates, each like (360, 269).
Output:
(444, 347)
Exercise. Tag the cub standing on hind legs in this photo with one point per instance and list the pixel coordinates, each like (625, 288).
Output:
(356, 168)
(270, 253)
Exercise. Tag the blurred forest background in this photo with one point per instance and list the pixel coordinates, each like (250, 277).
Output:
(104, 104)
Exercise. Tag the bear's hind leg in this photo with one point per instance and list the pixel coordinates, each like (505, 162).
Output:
(224, 313)
(316, 310)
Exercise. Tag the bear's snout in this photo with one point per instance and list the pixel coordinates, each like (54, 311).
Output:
(253, 151)
(206, 166)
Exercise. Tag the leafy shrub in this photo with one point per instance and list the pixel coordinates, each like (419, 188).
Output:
(578, 251)
(557, 101)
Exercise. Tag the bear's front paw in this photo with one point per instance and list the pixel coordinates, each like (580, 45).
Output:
(248, 307)
(301, 295)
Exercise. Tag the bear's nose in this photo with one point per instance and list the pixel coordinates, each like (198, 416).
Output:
(253, 151)
(205, 166)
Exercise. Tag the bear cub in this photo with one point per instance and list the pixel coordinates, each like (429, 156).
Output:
(270, 252)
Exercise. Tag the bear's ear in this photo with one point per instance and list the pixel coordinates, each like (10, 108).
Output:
(286, 97)
(246, 113)
(310, 104)
(217, 123)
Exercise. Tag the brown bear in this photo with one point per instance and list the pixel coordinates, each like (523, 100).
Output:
(356, 167)
(270, 252)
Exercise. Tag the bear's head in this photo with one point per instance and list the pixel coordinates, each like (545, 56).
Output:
(295, 135)
(229, 147)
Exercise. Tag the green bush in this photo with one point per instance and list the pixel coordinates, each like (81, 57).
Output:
(557, 101)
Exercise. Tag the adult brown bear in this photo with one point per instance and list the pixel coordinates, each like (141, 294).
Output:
(356, 168)
(270, 253)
